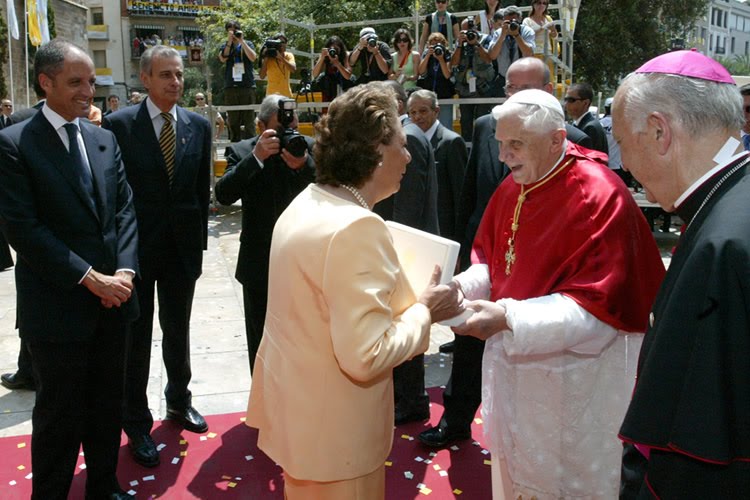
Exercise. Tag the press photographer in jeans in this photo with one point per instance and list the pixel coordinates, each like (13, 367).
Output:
(238, 55)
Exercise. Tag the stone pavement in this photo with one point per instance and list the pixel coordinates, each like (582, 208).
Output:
(221, 376)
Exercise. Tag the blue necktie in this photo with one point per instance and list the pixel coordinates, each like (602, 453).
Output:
(746, 141)
(77, 158)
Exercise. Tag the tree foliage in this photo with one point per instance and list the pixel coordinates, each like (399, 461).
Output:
(614, 37)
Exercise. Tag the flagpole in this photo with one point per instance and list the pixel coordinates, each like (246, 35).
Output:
(10, 64)
(26, 46)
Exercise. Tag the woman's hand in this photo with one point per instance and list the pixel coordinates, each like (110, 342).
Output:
(443, 301)
(488, 319)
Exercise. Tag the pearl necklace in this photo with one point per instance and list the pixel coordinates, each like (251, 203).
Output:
(357, 195)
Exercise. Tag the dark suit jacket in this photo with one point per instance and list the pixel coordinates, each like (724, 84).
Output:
(24, 114)
(180, 211)
(484, 173)
(59, 231)
(415, 203)
(450, 164)
(265, 194)
(236, 151)
(592, 128)
(3, 121)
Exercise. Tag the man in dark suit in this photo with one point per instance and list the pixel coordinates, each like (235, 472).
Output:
(577, 100)
(411, 400)
(167, 156)
(6, 109)
(23, 378)
(484, 174)
(266, 178)
(67, 209)
(415, 203)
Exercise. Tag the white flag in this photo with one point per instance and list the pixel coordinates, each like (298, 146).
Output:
(43, 21)
(12, 20)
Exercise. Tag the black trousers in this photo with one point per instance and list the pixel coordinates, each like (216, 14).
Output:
(175, 293)
(24, 362)
(78, 402)
(6, 259)
(408, 386)
(463, 394)
(255, 300)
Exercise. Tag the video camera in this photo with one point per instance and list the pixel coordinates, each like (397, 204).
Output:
(290, 139)
(271, 47)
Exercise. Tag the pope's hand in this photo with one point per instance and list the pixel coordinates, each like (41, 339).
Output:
(487, 320)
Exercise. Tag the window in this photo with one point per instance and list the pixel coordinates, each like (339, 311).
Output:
(731, 48)
(97, 15)
(100, 58)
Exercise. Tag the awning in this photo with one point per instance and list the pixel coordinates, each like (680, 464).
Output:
(148, 27)
(188, 28)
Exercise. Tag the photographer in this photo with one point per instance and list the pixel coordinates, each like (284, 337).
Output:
(374, 57)
(238, 55)
(278, 65)
(440, 21)
(474, 74)
(267, 177)
(511, 41)
(332, 72)
(435, 75)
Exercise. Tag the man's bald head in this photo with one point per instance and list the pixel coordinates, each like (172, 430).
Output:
(527, 73)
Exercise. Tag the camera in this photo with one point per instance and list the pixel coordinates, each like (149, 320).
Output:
(438, 50)
(470, 32)
(237, 34)
(372, 41)
(290, 139)
(332, 53)
(514, 25)
(272, 47)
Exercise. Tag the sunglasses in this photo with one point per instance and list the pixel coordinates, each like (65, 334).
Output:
(572, 99)
(441, 1)
(405, 40)
(199, 99)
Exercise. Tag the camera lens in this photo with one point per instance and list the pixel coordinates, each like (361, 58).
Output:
(332, 53)
(372, 41)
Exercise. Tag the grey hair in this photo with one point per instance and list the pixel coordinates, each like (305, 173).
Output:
(697, 105)
(534, 117)
(425, 95)
(269, 108)
(161, 51)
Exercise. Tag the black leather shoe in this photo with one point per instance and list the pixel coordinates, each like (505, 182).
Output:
(116, 495)
(448, 347)
(12, 381)
(189, 419)
(144, 450)
(441, 436)
(412, 415)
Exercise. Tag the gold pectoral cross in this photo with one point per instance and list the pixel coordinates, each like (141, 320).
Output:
(510, 256)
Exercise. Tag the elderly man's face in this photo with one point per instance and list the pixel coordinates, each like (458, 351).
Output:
(746, 110)
(422, 113)
(634, 153)
(528, 154)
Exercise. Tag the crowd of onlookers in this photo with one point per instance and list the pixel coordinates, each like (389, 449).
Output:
(141, 43)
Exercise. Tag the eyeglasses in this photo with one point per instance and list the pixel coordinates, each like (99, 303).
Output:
(200, 99)
(572, 99)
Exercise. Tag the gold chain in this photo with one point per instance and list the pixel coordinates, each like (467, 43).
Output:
(510, 255)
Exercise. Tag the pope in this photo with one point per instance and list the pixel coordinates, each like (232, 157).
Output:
(564, 273)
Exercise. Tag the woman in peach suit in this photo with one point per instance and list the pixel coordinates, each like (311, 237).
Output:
(340, 314)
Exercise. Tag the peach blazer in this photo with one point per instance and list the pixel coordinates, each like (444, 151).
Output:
(340, 317)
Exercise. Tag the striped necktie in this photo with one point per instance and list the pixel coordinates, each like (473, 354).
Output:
(167, 144)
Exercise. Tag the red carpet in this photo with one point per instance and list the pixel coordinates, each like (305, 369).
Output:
(226, 463)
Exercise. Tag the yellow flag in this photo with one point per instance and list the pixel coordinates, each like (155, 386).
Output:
(35, 30)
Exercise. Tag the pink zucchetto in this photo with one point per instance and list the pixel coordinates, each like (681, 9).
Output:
(690, 63)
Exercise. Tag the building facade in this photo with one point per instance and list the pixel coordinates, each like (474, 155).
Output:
(724, 31)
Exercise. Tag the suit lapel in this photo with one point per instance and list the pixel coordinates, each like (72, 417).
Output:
(143, 131)
(184, 135)
(95, 151)
(50, 146)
